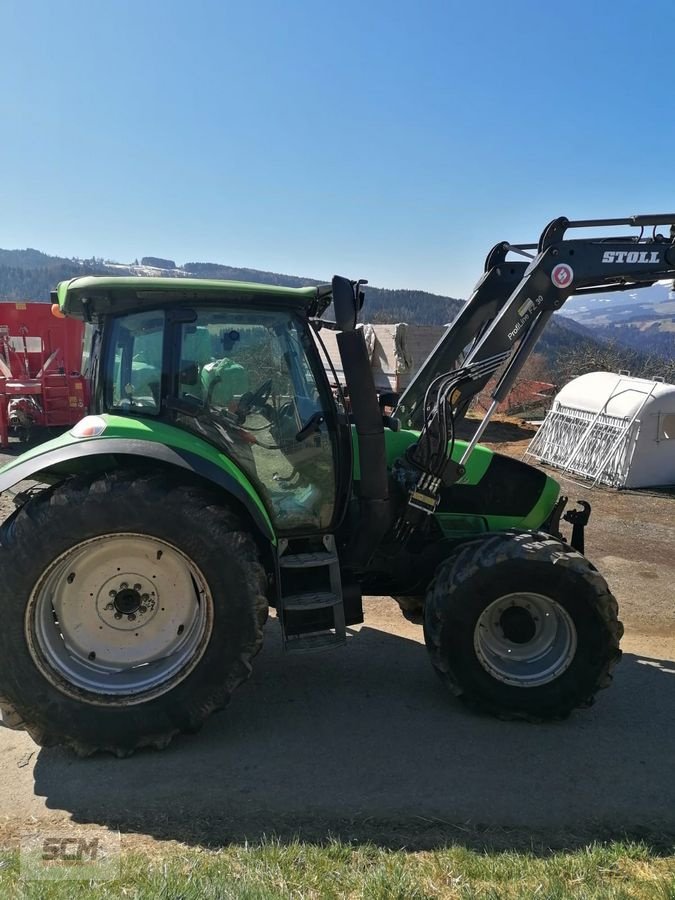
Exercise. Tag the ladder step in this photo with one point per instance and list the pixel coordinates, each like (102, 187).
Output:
(310, 600)
(320, 640)
(307, 560)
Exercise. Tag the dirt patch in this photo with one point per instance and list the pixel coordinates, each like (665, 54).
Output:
(503, 430)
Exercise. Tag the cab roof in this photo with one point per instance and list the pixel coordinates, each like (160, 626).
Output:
(84, 297)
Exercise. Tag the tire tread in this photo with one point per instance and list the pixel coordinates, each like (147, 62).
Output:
(486, 553)
(128, 487)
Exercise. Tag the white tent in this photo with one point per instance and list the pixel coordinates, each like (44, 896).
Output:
(612, 429)
(396, 351)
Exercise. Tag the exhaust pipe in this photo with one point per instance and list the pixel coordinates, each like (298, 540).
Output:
(375, 511)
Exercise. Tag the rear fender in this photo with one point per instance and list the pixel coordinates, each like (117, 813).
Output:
(76, 456)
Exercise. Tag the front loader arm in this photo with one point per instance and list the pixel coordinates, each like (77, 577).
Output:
(488, 298)
(508, 310)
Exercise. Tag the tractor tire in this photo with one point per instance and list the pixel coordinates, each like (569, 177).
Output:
(521, 626)
(131, 607)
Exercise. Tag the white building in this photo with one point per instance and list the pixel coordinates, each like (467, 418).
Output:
(396, 351)
(612, 429)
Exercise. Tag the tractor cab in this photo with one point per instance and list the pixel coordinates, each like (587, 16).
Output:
(236, 366)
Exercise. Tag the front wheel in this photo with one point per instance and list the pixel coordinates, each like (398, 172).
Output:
(131, 606)
(519, 625)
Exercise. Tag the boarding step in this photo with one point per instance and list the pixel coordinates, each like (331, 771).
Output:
(320, 640)
(311, 600)
(307, 560)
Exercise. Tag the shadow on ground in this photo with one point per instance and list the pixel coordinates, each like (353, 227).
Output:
(38, 436)
(365, 744)
(499, 430)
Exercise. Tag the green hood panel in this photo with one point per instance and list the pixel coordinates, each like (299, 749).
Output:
(497, 492)
(397, 443)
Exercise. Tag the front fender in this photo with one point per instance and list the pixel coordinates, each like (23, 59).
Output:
(66, 455)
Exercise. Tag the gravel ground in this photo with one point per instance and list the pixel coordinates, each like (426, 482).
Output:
(363, 742)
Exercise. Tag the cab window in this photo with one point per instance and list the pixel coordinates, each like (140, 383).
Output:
(134, 365)
(250, 380)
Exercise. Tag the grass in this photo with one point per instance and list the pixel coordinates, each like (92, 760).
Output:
(276, 870)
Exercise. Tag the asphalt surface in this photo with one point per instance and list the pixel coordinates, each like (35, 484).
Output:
(364, 742)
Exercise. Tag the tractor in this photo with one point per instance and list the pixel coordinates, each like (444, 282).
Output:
(219, 474)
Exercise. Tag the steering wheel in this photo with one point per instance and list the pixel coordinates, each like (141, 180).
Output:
(257, 398)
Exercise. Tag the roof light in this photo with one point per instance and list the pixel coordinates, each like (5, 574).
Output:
(90, 426)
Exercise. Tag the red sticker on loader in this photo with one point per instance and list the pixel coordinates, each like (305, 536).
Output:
(562, 275)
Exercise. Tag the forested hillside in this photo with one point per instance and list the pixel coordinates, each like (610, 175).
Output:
(31, 275)
(642, 319)
(382, 305)
(566, 346)
(646, 337)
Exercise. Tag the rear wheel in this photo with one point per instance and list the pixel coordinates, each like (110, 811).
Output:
(131, 607)
(522, 626)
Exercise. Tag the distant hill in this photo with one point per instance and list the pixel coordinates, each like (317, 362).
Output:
(590, 309)
(382, 304)
(647, 336)
(573, 349)
(35, 282)
(643, 320)
(31, 274)
(29, 259)
(158, 263)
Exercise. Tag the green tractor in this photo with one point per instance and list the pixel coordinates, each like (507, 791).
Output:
(220, 473)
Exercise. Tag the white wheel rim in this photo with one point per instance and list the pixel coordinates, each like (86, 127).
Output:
(121, 616)
(525, 639)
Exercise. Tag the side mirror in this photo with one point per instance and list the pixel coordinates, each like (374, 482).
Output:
(347, 301)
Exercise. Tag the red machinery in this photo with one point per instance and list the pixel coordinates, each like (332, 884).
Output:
(40, 369)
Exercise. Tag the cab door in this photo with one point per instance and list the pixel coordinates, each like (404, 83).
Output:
(258, 391)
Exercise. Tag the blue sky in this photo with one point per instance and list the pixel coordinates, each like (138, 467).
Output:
(393, 141)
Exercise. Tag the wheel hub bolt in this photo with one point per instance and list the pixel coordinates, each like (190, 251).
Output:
(128, 602)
